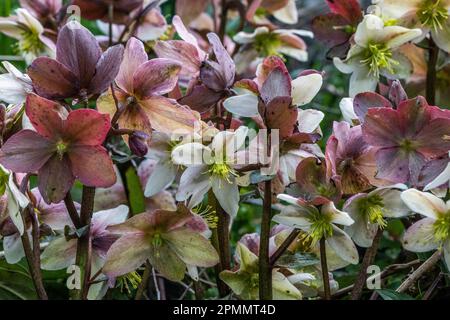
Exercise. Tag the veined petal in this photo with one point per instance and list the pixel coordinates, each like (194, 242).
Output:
(26, 151)
(420, 236)
(337, 216)
(440, 180)
(106, 69)
(183, 52)
(160, 179)
(55, 179)
(92, 166)
(227, 194)
(309, 120)
(12, 245)
(190, 154)
(343, 245)
(294, 216)
(288, 14)
(424, 203)
(134, 57)
(368, 30)
(87, 127)
(45, 116)
(60, 254)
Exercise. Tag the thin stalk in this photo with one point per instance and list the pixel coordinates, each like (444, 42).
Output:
(223, 20)
(83, 257)
(424, 267)
(324, 265)
(144, 282)
(110, 21)
(283, 247)
(72, 210)
(431, 72)
(368, 259)
(220, 241)
(432, 287)
(265, 271)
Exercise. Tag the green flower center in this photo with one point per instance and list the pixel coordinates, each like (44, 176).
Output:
(372, 208)
(30, 43)
(223, 171)
(321, 227)
(157, 240)
(61, 148)
(433, 14)
(442, 227)
(129, 281)
(208, 214)
(254, 280)
(378, 56)
(407, 145)
(267, 44)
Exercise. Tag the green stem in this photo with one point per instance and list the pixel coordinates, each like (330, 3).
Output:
(324, 265)
(431, 72)
(265, 272)
(83, 257)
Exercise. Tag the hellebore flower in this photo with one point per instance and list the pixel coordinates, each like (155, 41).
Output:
(61, 252)
(375, 53)
(30, 33)
(213, 167)
(245, 281)
(93, 10)
(264, 43)
(215, 80)
(432, 232)
(16, 200)
(336, 28)
(42, 9)
(316, 183)
(276, 90)
(63, 147)
(284, 11)
(14, 85)
(162, 237)
(80, 69)
(407, 138)
(186, 51)
(350, 157)
(370, 210)
(429, 15)
(318, 224)
(141, 86)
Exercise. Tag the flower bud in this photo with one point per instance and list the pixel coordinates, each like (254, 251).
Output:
(138, 143)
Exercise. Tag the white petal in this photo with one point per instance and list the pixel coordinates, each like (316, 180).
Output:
(295, 53)
(440, 180)
(28, 20)
(397, 8)
(393, 206)
(337, 216)
(13, 248)
(160, 179)
(288, 198)
(424, 203)
(298, 32)
(293, 216)
(442, 37)
(343, 245)
(190, 154)
(245, 37)
(420, 236)
(194, 184)
(244, 105)
(309, 120)
(227, 194)
(362, 81)
(305, 88)
(103, 219)
(288, 14)
(348, 113)
(59, 254)
(368, 29)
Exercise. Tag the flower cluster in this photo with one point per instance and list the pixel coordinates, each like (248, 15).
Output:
(142, 152)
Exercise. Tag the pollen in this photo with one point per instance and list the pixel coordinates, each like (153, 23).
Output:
(372, 208)
(321, 227)
(61, 148)
(442, 227)
(267, 44)
(30, 43)
(378, 56)
(223, 171)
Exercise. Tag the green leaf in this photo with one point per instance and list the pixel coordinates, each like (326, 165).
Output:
(389, 294)
(135, 193)
(298, 260)
(256, 177)
(15, 282)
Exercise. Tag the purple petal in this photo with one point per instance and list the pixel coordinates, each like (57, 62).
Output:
(55, 179)
(281, 115)
(277, 84)
(52, 79)
(133, 58)
(183, 52)
(26, 151)
(156, 77)
(79, 51)
(201, 98)
(366, 100)
(45, 116)
(107, 69)
(223, 58)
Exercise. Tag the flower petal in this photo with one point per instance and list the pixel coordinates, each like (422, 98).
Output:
(55, 179)
(134, 57)
(53, 80)
(227, 194)
(305, 88)
(420, 236)
(92, 166)
(156, 77)
(160, 179)
(13, 248)
(424, 203)
(336, 216)
(87, 127)
(26, 151)
(106, 69)
(243, 105)
(44, 115)
(343, 245)
(59, 254)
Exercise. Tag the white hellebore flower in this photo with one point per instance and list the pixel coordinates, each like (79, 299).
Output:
(374, 54)
(16, 199)
(369, 211)
(429, 15)
(211, 167)
(347, 110)
(30, 33)
(318, 224)
(14, 85)
(432, 232)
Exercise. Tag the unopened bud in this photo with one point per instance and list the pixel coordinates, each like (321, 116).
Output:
(138, 143)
